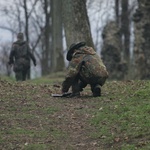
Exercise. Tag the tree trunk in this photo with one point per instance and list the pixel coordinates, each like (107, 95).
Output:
(57, 59)
(46, 39)
(26, 28)
(117, 11)
(111, 51)
(76, 22)
(125, 28)
(142, 40)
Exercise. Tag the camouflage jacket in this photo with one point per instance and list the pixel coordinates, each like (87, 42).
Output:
(20, 55)
(88, 66)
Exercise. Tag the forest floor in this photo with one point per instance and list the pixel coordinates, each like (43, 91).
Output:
(31, 119)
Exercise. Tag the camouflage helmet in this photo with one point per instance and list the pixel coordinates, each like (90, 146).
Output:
(72, 48)
(20, 36)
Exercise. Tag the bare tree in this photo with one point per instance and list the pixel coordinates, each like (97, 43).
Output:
(111, 51)
(46, 37)
(142, 38)
(76, 22)
(117, 11)
(27, 19)
(125, 30)
(57, 59)
(4, 67)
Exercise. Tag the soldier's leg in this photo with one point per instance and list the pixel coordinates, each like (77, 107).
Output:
(75, 88)
(82, 85)
(18, 75)
(96, 90)
(24, 74)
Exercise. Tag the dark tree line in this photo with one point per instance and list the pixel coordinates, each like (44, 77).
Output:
(48, 23)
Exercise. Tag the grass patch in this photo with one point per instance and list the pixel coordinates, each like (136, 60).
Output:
(32, 119)
(57, 77)
(35, 147)
(125, 119)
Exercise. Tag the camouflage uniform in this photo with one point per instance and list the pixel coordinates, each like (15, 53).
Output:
(85, 67)
(20, 56)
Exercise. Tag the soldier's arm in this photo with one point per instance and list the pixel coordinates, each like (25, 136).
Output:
(70, 77)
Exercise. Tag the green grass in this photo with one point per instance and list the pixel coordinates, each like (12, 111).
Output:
(9, 79)
(57, 77)
(125, 119)
(32, 119)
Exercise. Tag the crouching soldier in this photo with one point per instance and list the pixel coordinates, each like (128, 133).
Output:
(85, 67)
(20, 56)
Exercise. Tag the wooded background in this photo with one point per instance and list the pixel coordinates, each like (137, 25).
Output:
(119, 31)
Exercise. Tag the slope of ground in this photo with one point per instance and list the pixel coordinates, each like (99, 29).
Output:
(30, 119)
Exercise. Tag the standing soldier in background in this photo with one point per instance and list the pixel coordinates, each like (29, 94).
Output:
(85, 67)
(20, 56)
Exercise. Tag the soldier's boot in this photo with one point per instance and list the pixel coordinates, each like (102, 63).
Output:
(96, 90)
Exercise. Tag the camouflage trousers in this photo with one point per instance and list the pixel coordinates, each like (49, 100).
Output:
(79, 84)
(21, 75)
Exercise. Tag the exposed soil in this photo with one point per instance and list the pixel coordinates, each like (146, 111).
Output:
(32, 119)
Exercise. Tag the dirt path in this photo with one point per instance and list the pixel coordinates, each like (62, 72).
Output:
(31, 119)
(74, 121)
(28, 107)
